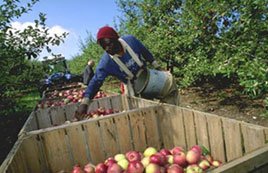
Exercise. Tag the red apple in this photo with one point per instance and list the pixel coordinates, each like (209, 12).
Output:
(135, 167)
(158, 159)
(101, 168)
(77, 169)
(114, 168)
(193, 157)
(176, 150)
(174, 168)
(109, 161)
(204, 164)
(180, 159)
(165, 152)
(133, 156)
(197, 148)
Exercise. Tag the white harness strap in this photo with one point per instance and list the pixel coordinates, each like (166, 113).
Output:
(124, 67)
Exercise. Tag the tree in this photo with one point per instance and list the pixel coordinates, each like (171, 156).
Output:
(208, 39)
(18, 48)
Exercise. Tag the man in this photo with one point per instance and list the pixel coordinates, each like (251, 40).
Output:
(126, 58)
(88, 72)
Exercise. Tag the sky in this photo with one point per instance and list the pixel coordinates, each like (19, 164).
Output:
(77, 17)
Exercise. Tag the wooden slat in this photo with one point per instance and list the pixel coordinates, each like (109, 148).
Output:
(248, 163)
(93, 106)
(172, 127)
(117, 104)
(189, 125)
(57, 115)
(124, 133)
(266, 135)
(138, 130)
(56, 150)
(125, 102)
(34, 155)
(109, 137)
(94, 141)
(151, 127)
(253, 137)
(43, 118)
(201, 129)
(70, 111)
(216, 137)
(18, 163)
(232, 137)
(29, 125)
(105, 102)
(78, 145)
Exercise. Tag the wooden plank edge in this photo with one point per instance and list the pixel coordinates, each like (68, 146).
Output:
(246, 163)
(85, 121)
(4, 166)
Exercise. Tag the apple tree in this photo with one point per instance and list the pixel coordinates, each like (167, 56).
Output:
(18, 48)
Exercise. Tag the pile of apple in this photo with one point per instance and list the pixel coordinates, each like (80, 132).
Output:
(66, 97)
(101, 111)
(176, 160)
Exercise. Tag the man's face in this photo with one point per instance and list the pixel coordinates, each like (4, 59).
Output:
(111, 46)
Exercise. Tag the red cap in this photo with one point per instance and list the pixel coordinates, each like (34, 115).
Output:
(107, 32)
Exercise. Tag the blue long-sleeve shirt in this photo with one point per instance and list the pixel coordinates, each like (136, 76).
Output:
(107, 66)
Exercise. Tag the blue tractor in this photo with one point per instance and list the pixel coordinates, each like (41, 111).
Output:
(57, 75)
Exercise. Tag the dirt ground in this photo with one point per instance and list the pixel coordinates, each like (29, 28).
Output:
(224, 102)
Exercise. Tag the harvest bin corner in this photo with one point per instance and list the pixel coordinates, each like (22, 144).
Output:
(241, 146)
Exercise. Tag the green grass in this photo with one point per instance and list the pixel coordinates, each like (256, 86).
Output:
(29, 100)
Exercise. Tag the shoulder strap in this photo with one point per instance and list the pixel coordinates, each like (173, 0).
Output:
(131, 52)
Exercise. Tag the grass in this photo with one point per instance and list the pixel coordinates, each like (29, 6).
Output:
(29, 100)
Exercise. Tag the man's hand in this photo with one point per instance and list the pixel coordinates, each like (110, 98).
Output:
(156, 65)
(81, 111)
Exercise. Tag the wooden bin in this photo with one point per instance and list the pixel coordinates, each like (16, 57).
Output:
(242, 147)
(58, 115)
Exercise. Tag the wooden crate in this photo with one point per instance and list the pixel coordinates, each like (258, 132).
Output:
(242, 147)
(58, 115)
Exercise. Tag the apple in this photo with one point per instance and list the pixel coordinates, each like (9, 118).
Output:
(101, 168)
(170, 159)
(158, 159)
(149, 151)
(180, 159)
(192, 157)
(204, 164)
(101, 111)
(176, 150)
(216, 163)
(114, 168)
(133, 156)
(135, 167)
(77, 169)
(174, 168)
(197, 148)
(209, 158)
(152, 168)
(119, 157)
(88, 168)
(109, 161)
(123, 163)
(193, 169)
(145, 161)
(165, 152)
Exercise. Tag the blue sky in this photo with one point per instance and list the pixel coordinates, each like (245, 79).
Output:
(78, 17)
